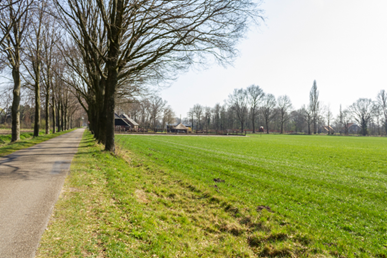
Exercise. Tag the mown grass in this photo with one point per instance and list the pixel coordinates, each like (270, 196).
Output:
(282, 196)
(129, 206)
(331, 189)
(26, 140)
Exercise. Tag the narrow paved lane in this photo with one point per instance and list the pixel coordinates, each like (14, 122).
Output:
(30, 183)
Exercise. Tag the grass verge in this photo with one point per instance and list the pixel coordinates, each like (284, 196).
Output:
(26, 140)
(129, 206)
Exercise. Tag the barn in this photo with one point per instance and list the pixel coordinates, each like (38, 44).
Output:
(124, 123)
(133, 124)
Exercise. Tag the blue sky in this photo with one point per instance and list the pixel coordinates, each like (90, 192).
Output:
(342, 44)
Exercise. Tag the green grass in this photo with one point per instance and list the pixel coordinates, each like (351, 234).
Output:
(126, 206)
(326, 196)
(333, 189)
(6, 138)
(26, 140)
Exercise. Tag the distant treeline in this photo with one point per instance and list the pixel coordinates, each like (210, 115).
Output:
(250, 108)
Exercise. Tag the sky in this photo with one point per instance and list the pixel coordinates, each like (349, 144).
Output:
(342, 44)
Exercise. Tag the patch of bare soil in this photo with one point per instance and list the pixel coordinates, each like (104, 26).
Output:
(141, 196)
(263, 207)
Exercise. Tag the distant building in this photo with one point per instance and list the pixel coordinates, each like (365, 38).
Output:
(328, 129)
(125, 123)
(133, 124)
(178, 128)
(353, 128)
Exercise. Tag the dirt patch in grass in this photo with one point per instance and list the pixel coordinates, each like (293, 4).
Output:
(141, 196)
(263, 207)
(218, 180)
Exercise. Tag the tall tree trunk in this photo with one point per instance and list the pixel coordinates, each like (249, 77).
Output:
(47, 110)
(16, 103)
(102, 124)
(68, 120)
(53, 115)
(92, 121)
(58, 116)
(61, 117)
(37, 107)
(253, 120)
(65, 118)
(267, 126)
(109, 106)
(364, 127)
(112, 78)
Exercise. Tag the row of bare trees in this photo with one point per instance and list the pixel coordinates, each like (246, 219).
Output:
(247, 109)
(115, 49)
(30, 55)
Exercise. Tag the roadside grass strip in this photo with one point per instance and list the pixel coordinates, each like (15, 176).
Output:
(128, 205)
(26, 140)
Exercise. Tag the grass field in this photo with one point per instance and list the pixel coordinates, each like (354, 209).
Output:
(333, 190)
(282, 196)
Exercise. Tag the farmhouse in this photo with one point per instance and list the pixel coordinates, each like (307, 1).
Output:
(124, 123)
(133, 124)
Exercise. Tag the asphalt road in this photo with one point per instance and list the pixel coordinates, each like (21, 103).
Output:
(30, 183)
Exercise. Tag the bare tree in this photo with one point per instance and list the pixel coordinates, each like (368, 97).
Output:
(308, 117)
(361, 111)
(216, 111)
(328, 115)
(14, 19)
(156, 108)
(207, 117)
(382, 103)
(34, 53)
(17, 14)
(146, 36)
(255, 95)
(377, 114)
(198, 111)
(191, 114)
(284, 105)
(299, 119)
(268, 109)
(238, 103)
(168, 116)
(344, 119)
